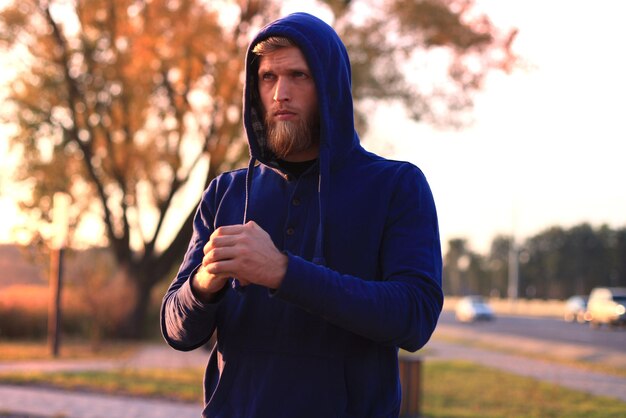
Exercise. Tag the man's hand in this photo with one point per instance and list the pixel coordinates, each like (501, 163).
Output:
(245, 252)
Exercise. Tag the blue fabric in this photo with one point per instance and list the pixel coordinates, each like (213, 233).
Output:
(364, 268)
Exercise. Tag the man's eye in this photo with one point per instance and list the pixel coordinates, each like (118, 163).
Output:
(268, 77)
(299, 74)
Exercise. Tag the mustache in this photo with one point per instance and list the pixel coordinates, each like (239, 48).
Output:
(281, 109)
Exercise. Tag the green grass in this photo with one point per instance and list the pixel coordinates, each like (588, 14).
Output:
(465, 390)
(450, 389)
(71, 349)
(179, 384)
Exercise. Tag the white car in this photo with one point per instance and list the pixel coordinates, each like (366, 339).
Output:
(576, 309)
(607, 305)
(473, 308)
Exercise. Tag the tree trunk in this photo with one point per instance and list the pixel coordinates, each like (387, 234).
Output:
(135, 324)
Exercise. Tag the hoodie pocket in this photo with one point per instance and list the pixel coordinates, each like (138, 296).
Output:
(261, 384)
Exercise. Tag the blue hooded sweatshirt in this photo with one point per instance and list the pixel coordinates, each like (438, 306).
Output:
(364, 264)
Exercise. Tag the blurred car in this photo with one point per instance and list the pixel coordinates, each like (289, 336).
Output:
(576, 309)
(607, 305)
(473, 308)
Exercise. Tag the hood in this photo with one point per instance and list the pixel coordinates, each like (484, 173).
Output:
(328, 61)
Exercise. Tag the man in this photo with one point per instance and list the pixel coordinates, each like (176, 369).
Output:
(316, 264)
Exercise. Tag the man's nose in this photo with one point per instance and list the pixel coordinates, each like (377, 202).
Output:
(282, 90)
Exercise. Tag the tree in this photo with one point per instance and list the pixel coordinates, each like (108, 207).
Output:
(128, 104)
(456, 262)
(465, 272)
(498, 264)
(563, 262)
(616, 243)
(587, 259)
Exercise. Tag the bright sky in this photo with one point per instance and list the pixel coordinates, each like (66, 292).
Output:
(548, 145)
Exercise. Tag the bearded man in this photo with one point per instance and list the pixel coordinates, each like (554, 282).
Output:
(315, 264)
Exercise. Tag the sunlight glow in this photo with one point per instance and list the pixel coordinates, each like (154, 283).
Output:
(546, 147)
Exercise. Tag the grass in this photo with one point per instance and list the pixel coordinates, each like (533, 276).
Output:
(70, 349)
(465, 390)
(450, 389)
(179, 385)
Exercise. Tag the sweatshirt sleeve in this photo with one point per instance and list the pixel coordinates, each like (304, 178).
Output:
(401, 307)
(186, 321)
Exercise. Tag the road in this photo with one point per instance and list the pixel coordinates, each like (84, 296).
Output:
(550, 330)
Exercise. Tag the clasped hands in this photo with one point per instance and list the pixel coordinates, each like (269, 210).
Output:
(245, 252)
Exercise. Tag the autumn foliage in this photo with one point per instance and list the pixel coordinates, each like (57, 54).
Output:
(133, 106)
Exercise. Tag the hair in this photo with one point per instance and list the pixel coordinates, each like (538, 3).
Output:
(271, 44)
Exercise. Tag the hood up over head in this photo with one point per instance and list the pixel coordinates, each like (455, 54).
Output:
(328, 61)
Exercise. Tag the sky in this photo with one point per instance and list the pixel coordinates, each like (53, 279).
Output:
(548, 143)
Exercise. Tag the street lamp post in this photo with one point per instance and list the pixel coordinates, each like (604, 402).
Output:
(513, 290)
(60, 207)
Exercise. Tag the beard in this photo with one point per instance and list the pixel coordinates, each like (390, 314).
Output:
(287, 137)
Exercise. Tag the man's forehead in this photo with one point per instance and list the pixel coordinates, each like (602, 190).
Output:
(285, 57)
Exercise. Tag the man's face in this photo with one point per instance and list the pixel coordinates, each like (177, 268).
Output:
(289, 98)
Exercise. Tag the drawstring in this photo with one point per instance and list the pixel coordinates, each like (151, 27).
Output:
(322, 192)
(249, 175)
(322, 196)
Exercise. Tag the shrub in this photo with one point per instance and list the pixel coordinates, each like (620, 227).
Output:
(95, 298)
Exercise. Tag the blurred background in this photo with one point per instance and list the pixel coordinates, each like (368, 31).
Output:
(116, 114)
(129, 109)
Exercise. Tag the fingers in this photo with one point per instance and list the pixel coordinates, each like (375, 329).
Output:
(215, 255)
(220, 269)
(207, 285)
(245, 252)
(220, 261)
(228, 230)
(220, 241)
(231, 235)
(220, 251)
